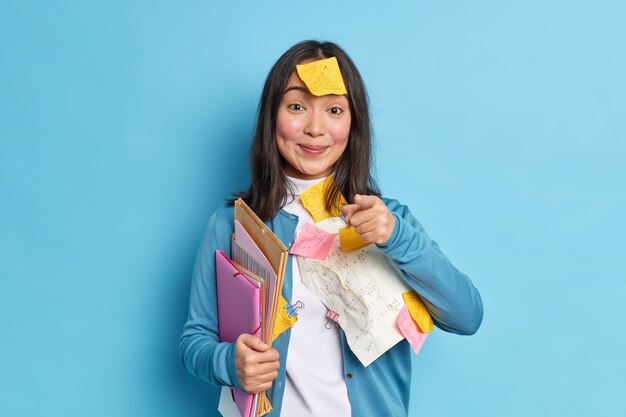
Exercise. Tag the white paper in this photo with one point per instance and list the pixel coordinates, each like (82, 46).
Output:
(227, 406)
(365, 288)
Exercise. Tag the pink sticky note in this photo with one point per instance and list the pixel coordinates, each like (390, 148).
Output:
(410, 331)
(312, 242)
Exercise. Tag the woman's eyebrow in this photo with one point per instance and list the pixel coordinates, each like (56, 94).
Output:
(296, 87)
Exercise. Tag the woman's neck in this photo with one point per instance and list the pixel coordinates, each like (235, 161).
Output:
(299, 185)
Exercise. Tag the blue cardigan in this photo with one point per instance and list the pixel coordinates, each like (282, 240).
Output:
(382, 388)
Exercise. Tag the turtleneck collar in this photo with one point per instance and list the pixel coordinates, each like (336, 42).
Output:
(299, 185)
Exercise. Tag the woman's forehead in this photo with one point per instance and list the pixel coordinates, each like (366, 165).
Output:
(295, 83)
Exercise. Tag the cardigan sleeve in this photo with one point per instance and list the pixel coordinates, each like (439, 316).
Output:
(201, 352)
(449, 295)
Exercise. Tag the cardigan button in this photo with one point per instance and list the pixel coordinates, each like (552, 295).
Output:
(349, 375)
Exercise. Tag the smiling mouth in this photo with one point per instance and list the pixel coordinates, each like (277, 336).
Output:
(313, 149)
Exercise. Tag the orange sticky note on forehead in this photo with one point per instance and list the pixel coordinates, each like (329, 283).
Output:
(322, 77)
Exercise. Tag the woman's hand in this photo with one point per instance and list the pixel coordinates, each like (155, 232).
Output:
(257, 364)
(370, 217)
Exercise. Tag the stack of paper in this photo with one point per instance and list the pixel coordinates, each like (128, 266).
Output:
(249, 294)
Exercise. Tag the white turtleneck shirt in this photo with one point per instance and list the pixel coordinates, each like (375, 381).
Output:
(315, 384)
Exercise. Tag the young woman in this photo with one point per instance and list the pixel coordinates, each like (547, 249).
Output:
(301, 139)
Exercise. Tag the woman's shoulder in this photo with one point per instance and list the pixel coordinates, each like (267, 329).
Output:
(221, 222)
(224, 211)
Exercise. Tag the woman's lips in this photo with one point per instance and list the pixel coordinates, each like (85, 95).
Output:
(316, 150)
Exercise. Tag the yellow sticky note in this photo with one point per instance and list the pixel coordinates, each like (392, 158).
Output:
(322, 77)
(313, 199)
(350, 240)
(283, 321)
(418, 311)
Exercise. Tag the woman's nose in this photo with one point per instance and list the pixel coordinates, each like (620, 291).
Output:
(316, 125)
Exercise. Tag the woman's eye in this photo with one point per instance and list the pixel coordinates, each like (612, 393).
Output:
(335, 110)
(295, 107)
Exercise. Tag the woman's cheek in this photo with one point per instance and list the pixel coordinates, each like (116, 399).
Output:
(341, 133)
(288, 130)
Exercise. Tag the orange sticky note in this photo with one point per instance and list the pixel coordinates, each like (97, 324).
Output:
(418, 311)
(322, 77)
(283, 321)
(350, 239)
(313, 199)
(410, 331)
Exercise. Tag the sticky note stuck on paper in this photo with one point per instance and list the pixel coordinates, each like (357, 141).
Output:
(410, 331)
(322, 77)
(418, 311)
(350, 239)
(312, 242)
(313, 199)
(283, 321)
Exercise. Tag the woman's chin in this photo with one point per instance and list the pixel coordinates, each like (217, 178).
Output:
(313, 174)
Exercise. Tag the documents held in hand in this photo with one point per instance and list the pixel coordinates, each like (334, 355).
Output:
(249, 298)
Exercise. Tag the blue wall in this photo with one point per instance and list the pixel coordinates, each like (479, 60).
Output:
(123, 124)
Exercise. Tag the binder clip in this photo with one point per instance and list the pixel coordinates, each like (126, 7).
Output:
(333, 316)
(292, 309)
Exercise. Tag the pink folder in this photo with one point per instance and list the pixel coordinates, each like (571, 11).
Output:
(238, 312)
(252, 258)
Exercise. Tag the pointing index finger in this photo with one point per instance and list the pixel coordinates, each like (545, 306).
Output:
(365, 201)
(348, 210)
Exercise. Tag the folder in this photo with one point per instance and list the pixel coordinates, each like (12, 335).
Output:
(238, 312)
(248, 257)
(258, 264)
(274, 252)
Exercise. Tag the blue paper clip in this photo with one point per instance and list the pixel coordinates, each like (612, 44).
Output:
(292, 309)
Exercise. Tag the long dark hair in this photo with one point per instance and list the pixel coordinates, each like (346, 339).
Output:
(268, 191)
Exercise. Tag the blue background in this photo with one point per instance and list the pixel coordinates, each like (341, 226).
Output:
(123, 124)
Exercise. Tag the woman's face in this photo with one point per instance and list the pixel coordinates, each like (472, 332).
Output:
(311, 131)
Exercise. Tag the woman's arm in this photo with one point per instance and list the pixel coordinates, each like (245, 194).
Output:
(451, 298)
(249, 364)
(200, 350)
(449, 294)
